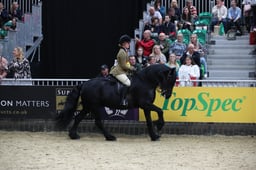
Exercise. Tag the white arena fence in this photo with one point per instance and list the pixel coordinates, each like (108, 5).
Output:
(74, 82)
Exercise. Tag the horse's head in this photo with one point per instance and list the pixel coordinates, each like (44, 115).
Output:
(168, 81)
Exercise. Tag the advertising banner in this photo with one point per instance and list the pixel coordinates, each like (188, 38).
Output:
(190, 104)
(27, 102)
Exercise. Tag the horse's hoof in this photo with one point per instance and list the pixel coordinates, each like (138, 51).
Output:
(111, 138)
(74, 136)
(155, 138)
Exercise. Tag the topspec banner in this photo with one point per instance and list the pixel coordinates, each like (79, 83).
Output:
(189, 104)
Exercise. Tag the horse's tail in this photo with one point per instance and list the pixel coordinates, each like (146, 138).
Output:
(66, 115)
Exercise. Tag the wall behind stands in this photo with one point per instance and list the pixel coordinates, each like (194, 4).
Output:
(81, 35)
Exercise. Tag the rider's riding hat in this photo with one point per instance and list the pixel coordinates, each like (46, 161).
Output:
(124, 38)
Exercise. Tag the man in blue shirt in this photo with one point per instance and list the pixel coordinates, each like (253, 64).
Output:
(234, 17)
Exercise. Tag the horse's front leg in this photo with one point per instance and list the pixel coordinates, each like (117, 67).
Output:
(99, 124)
(159, 123)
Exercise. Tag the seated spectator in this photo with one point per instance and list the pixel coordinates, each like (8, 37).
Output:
(132, 61)
(174, 5)
(8, 26)
(146, 43)
(104, 71)
(19, 67)
(155, 27)
(178, 47)
(164, 44)
(192, 53)
(140, 58)
(3, 15)
(152, 13)
(159, 7)
(160, 57)
(188, 71)
(202, 51)
(173, 17)
(3, 67)
(169, 28)
(15, 11)
(186, 19)
(219, 12)
(234, 17)
(248, 15)
(151, 60)
(172, 63)
(192, 9)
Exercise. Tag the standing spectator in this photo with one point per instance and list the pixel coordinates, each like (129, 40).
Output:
(178, 47)
(104, 71)
(164, 44)
(122, 68)
(156, 52)
(248, 15)
(19, 67)
(146, 43)
(3, 67)
(234, 17)
(140, 58)
(3, 15)
(219, 12)
(15, 11)
(169, 28)
(188, 71)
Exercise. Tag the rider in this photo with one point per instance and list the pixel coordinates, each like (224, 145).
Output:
(122, 67)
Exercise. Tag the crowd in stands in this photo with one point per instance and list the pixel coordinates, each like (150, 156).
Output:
(172, 37)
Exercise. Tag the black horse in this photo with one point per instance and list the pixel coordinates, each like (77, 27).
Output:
(98, 92)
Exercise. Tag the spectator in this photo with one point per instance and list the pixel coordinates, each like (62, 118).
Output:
(173, 17)
(121, 70)
(201, 49)
(8, 26)
(192, 9)
(159, 7)
(186, 19)
(155, 27)
(234, 17)
(151, 60)
(104, 71)
(3, 15)
(152, 13)
(140, 58)
(174, 5)
(160, 57)
(172, 62)
(132, 61)
(19, 67)
(178, 47)
(168, 28)
(248, 15)
(164, 44)
(192, 53)
(146, 43)
(15, 12)
(219, 12)
(188, 71)
(3, 67)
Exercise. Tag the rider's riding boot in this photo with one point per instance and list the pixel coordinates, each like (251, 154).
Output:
(124, 91)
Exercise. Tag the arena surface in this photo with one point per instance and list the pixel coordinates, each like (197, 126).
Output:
(55, 151)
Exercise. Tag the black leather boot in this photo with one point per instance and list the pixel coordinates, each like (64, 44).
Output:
(124, 101)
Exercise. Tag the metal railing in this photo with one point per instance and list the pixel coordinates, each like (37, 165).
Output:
(74, 82)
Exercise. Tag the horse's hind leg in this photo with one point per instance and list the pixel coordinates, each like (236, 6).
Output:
(99, 124)
(73, 131)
